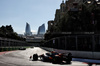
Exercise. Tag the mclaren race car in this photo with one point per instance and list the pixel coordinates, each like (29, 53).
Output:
(55, 57)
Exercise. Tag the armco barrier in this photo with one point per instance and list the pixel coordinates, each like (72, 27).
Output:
(47, 49)
(8, 49)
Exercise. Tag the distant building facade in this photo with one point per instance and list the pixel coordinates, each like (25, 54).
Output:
(68, 6)
(41, 29)
(28, 30)
(50, 25)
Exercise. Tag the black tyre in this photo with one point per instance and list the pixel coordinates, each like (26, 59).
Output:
(35, 57)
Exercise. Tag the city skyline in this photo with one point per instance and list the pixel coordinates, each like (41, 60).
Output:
(35, 12)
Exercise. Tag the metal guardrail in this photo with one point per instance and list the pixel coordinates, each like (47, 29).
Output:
(4, 42)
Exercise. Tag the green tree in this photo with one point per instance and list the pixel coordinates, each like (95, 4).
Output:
(8, 32)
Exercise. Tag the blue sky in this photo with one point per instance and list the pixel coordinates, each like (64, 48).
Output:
(35, 12)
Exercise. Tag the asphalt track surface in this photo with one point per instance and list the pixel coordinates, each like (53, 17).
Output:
(21, 58)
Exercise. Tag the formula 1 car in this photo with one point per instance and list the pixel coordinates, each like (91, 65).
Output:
(22, 48)
(55, 57)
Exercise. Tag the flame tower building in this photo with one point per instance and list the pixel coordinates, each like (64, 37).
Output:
(28, 30)
(41, 29)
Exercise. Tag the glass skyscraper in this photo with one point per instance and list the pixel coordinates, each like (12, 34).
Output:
(41, 29)
(28, 30)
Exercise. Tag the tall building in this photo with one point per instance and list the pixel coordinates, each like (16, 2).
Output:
(62, 6)
(41, 29)
(65, 6)
(28, 30)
